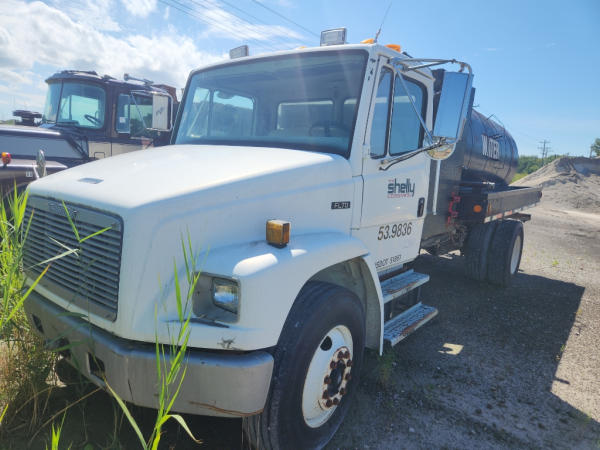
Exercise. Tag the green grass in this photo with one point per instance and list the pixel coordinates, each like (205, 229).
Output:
(25, 363)
(170, 359)
(518, 176)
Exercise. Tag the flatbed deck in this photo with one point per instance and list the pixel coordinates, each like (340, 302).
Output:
(484, 202)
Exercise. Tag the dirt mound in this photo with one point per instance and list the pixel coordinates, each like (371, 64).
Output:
(569, 183)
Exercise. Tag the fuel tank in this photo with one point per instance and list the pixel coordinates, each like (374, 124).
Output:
(488, 152)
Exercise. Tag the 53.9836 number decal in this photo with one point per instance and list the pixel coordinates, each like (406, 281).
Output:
(394, 231)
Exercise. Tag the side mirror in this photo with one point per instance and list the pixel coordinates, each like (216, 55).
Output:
(452, 111)
(162, 110)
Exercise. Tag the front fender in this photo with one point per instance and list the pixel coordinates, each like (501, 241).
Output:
(270, 280)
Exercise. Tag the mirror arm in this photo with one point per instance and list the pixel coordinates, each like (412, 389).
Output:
(391, 161)
(429, 62)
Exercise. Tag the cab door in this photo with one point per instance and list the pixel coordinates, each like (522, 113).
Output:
(130, 131)
(394, 194)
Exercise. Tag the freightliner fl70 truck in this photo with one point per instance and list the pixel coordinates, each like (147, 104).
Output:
(316, 176)
(86, 117)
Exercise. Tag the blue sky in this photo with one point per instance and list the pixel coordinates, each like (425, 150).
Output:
(536, 64)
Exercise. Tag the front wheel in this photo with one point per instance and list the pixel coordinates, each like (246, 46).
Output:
(317, 362)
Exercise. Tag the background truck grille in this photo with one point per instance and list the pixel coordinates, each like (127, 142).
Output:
(90, 278)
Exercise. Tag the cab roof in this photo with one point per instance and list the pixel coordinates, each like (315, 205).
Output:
(90, 75)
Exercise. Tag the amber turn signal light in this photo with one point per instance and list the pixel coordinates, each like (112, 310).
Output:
(477, 208)
(6, 158)
(278, 232)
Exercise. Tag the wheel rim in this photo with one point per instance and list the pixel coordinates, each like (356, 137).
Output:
(516, 255)
(327, 376)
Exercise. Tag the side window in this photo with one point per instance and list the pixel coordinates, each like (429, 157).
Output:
(122, 119)
(379, 123)
(406, 133)
(140, 116)
(232, 115)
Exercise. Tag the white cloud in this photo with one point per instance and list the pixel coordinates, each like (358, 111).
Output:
(167, 58)
(140, 8)
(93, 13)
(223, 23)
(12, 78)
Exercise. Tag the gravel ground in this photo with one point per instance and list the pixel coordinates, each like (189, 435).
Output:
(513, 368)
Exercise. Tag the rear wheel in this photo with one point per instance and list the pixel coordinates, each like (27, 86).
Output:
(505, 252)
(317, 361)
(476, 250)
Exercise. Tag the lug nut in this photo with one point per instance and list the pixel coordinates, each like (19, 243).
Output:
(349, 363)
(340, 355)
(343, 391)
(325, 395)
(336, 401)
(332, 365)
(348, 377)
(328, 403)
(327, 380)
(347, 354)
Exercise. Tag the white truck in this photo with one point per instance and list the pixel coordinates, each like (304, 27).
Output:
(304, 180)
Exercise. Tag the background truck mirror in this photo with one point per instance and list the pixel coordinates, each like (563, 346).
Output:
(161, 112)
(453, 106)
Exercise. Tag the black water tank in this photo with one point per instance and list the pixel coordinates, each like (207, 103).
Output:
(488, 151)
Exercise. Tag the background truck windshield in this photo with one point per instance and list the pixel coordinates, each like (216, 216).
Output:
(77, 104)
(302, 101)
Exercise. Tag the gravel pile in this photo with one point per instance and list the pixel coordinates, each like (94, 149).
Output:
(570, 183)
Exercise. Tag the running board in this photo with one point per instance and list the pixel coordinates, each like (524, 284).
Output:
(404, 324)
(401, 284)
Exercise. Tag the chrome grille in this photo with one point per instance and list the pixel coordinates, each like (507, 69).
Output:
(88, 278)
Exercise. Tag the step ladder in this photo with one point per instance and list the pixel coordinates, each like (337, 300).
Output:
(402, 325)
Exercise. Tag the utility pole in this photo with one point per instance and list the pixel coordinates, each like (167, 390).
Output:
(544, 148)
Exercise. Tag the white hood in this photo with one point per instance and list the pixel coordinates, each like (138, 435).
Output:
(138, 178)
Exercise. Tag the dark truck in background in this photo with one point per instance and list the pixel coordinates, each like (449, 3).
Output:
(86, 117)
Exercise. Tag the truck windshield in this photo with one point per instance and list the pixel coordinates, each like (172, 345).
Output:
(77, 104)
(303, 101)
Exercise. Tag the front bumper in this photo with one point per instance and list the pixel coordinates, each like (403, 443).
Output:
(216, 383)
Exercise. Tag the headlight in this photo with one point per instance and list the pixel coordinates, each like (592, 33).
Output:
(225, 294)
(216, 298)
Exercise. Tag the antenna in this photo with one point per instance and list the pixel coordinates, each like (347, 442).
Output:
(384, 17)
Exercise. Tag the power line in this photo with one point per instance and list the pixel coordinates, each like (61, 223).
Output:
(545, 148)
(286, 18)
(215, 7)
(192, 13)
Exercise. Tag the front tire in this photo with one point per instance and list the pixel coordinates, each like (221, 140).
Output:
(317, 362)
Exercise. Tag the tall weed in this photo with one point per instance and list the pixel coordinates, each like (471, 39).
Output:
(170, 364)
(24, 362)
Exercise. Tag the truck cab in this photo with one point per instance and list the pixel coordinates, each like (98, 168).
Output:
(86, 117)
(301, 181)
(114, 115)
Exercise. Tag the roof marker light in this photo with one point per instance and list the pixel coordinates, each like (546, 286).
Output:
(336, 36)
(368, 41)
(239, 52)
(395, 47)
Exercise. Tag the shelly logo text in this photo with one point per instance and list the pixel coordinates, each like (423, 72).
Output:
(396, 189)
